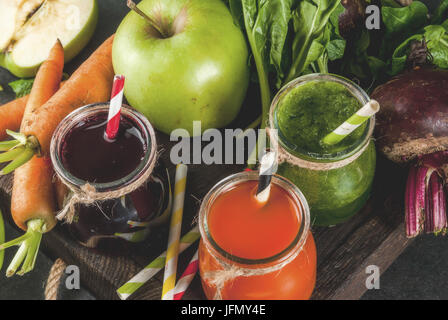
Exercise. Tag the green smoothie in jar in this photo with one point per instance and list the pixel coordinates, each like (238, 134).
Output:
(335, 179)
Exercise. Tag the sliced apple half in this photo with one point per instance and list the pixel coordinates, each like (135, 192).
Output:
(32, 27)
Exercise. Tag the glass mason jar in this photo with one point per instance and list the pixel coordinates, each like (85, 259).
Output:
(131, 216)
(336, 185)
(287, 275)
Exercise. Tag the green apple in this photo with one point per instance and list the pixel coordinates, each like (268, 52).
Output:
(195, 68)
(32, 27)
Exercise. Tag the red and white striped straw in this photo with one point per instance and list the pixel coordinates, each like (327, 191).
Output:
(116, 100)
(186, 278)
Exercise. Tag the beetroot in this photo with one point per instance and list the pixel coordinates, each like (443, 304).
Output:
(413, 119)
(352, 19)
(413, 124)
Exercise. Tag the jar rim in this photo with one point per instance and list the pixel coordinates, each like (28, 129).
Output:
(74, 117)
(352, 87)
(289, 252)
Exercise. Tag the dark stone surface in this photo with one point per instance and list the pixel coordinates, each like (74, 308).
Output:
(421, 272)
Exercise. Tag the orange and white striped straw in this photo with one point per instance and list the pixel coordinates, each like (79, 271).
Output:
(116, 100)
(172, 253)
(185, 279)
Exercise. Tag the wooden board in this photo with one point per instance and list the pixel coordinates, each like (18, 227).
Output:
(375, 236)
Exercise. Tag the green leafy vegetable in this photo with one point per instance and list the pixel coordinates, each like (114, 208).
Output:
(287, 38)
(310, 21)
(21, 87)
(329, 46)
(390, 3)
(401, 23)
(436, 38)
(266, 24)
(358, 63)
(396, 45)
(441, 13)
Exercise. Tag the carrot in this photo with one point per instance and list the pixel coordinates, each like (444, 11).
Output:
(33, 199)
(32, 208)
(33, 195)
(11, 115)
(91, 82)
(46, 83)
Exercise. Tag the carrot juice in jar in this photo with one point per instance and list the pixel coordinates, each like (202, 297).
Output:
(254, 251)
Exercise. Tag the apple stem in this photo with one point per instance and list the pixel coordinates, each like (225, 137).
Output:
(131, 4)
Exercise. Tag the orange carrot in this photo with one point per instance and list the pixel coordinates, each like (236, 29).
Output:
(32, 208)
(33, 198)
(46, 83)
(11, 115)
(92, 82)
(33, 195)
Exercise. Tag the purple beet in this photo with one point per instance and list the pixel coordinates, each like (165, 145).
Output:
(352, 19)
(412, 127)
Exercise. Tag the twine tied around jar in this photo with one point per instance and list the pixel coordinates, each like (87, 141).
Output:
(88, 195)
(229, 272)
(285, 156)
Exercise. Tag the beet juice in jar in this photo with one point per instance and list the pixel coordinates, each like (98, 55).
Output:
(131, 189)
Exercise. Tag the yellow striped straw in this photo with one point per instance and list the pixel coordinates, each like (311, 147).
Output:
(172, 253)
(126, 290)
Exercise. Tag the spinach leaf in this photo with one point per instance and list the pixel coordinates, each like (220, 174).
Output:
(400, 55)
(401, 23)
(336, 45)
(335, 49)
(437, 41)
(441, 13)
(390, 3)
(237, 12)
(288, 38)
(21, 87)
(310, 20)
(266, 23)
(405, 19)
(436, 38)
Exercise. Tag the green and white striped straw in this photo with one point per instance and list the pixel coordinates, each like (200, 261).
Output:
(155, 266)
(352, 123)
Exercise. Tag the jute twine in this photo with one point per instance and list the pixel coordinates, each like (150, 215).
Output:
(229, 272)
(285, 156)
(54, 279)
(88, 195)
